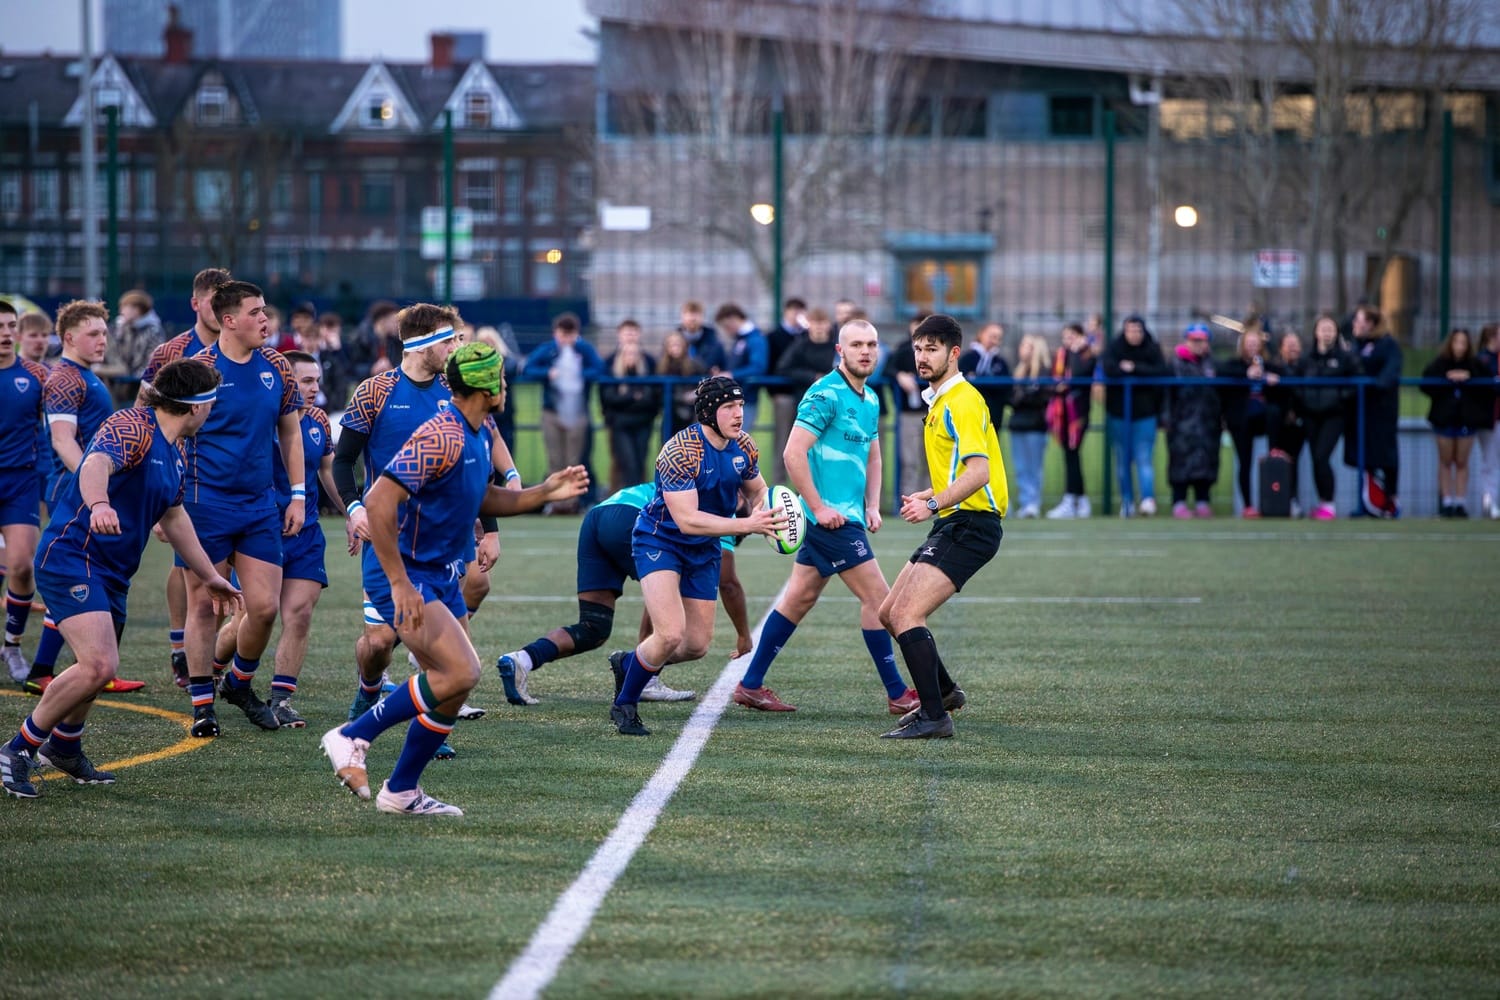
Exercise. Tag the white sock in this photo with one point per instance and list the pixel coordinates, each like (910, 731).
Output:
(524, 659)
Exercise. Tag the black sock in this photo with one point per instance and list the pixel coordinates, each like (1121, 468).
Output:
(919, 650)
(945, 683)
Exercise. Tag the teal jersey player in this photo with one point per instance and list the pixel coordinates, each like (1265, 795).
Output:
(845, 421)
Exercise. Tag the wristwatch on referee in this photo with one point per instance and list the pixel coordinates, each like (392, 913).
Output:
(932, 504)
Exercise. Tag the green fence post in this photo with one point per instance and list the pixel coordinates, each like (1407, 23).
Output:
(1445, 229)
(1109, 286)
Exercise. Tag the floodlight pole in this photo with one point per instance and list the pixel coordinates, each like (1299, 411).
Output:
(448, 205)
(89, 162)
(112, 200)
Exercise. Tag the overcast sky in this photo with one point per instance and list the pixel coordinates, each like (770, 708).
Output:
(517, 30)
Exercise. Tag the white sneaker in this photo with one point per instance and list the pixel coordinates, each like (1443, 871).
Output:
(469, 712)
(1148, 507)
(1031, 510)
(348, 758)
(15, 662)
(1064, 511)
(1082, 508)
(413, 803)
(655, 690)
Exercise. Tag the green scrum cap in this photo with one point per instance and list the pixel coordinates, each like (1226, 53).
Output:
(478, 365)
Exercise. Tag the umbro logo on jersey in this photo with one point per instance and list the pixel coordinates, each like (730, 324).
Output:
(268, 380)
(22, 383)
(79, 592)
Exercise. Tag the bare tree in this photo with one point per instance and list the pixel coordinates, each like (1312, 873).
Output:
(841, 78)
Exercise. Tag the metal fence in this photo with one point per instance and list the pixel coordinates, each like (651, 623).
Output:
(1164, 222)
(1418, 454)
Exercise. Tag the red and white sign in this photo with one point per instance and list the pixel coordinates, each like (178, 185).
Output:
(1278, 268)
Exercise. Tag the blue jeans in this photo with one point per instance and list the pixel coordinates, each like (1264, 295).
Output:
(1026, 451)
(1134, 443)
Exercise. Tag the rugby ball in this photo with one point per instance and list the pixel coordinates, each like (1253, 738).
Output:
(789, 539)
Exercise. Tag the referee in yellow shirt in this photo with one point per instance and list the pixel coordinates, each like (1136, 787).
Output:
(967, 500)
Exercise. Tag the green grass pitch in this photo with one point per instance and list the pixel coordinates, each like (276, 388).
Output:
(1267, 765)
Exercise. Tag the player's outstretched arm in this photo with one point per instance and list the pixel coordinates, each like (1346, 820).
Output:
(564, 484)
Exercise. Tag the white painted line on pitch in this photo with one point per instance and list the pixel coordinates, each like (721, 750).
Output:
(574, 910)
(960, 599)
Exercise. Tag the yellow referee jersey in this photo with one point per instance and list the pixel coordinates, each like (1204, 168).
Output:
(958, 427)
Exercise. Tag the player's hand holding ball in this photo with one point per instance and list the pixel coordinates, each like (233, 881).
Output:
(788, 522)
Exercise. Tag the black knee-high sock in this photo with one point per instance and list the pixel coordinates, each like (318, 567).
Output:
(919, 650)
(945, 682)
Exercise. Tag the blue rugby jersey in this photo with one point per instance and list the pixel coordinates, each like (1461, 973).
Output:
(689, 462)
(229, 462)
(445, 466)
(387, 409)
(22, 386)
(184, 345)
(75, 395)
(317, 442)
(147, 481)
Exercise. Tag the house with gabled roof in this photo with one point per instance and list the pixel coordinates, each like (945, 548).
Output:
(308, 176)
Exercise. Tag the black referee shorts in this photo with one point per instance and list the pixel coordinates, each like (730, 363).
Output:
(960, 544)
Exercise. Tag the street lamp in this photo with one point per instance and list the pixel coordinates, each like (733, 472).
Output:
(1186, 216)
(763, 213)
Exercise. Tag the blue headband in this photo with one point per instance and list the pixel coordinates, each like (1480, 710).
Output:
(422, 340)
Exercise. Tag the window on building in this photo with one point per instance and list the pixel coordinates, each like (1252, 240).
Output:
(580, 193)
(44, 193)
(546, 268)
(380, 111)
(478, 109)
(1071, 116)
(940, 284)
(630, 114)
(479, 191)
(249, 195)
(213, 105)
(910, 118)
(211, 194)
(314, 195)
(544, 193)
(281, 193)
(10, 193)
(965, 117)
(145, 192)
(515, 191)
(512, 268)
(377, 195)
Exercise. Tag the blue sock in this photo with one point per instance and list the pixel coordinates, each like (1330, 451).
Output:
(426, 733)
(406, 702)
(773, 635)
(637, 676)
(47, 648)
(201, 690)
(242, 672)
(283, 684)
(542, 651)
(68, 739)
(878, 642)
(17, 610)
(29, 737)
(175, 636)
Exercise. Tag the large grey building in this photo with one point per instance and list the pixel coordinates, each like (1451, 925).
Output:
(241, 29)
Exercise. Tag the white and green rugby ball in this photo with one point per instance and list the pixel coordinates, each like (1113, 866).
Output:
(789, 539)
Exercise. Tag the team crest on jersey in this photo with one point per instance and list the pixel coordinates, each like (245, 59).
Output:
(739, 463)
(79, 592)
(268, 380)
(316, 433)
(442, 405)
(22, 383)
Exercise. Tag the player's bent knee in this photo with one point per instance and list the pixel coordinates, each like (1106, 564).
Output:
(595, 623)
